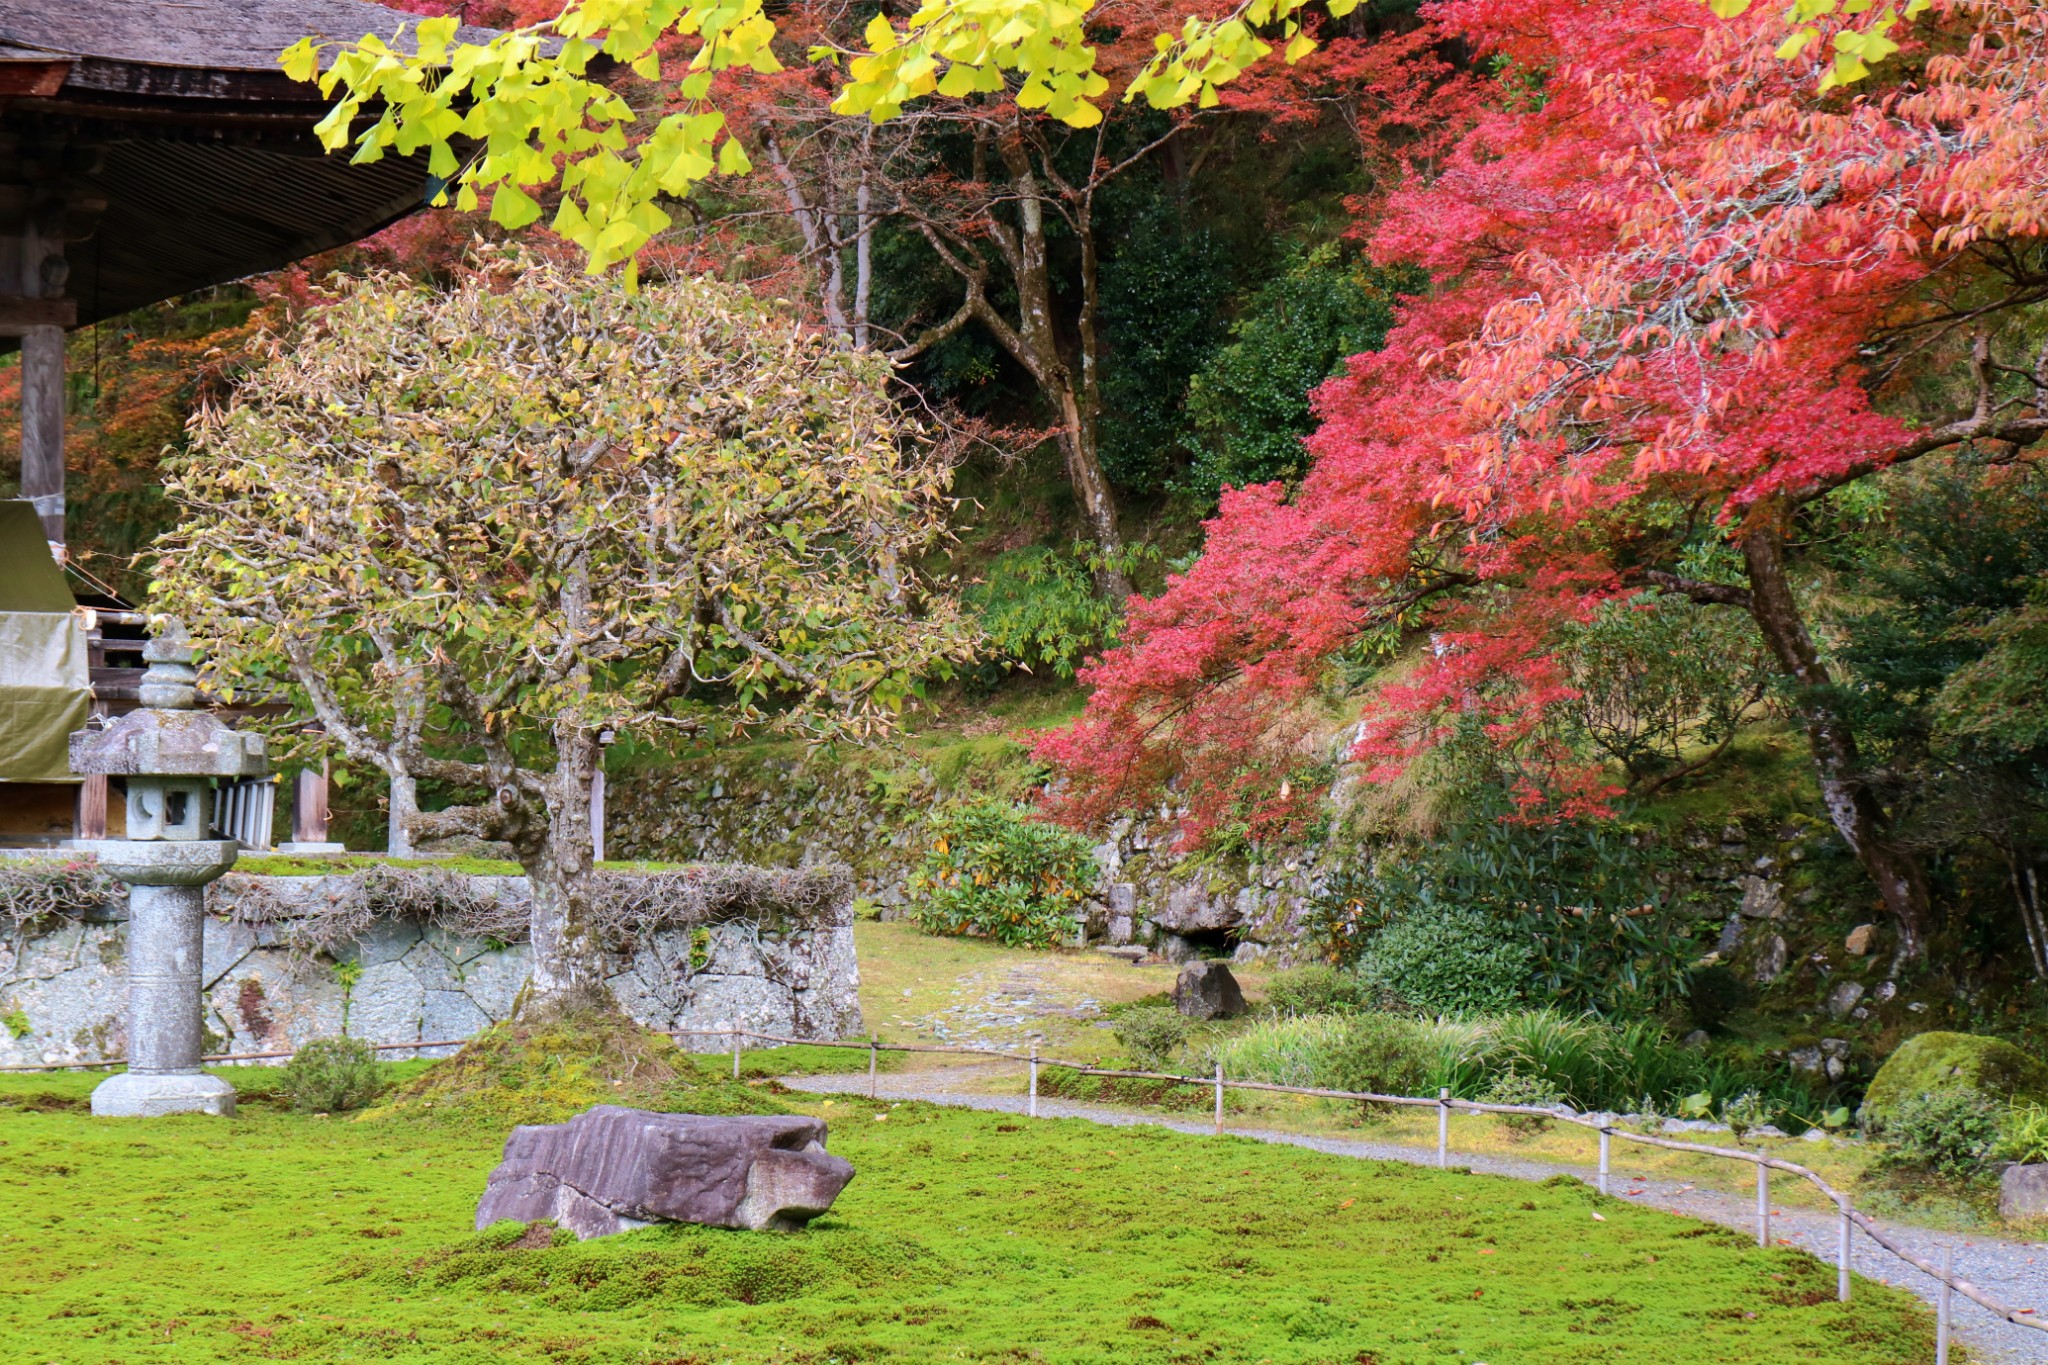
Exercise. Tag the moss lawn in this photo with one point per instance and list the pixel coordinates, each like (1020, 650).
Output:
(965, 1236)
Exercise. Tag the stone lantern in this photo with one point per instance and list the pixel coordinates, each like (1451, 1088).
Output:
(170, 754)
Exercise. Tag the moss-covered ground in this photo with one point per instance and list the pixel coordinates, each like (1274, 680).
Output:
(965, 1236)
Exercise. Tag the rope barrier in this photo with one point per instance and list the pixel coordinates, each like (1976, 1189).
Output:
(1441, 1102)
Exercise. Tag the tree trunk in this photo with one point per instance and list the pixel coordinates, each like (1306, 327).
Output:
(404, 804)
(1857, 814)
(568, 957)
(1031, 269)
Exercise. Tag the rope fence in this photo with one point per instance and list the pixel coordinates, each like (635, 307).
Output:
(1849, 1217)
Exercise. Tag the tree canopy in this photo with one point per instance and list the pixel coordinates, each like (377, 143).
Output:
(540, 508)
(1689, 286)
(531, 98)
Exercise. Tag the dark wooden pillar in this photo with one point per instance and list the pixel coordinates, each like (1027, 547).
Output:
(34, 308)
(309, 805)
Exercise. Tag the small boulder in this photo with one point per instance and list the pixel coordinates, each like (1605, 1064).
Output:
(2023, 1192)
(1862, 939)
(1842, 999)
(1207, 990)
(1946, 1061)
(612, 1169)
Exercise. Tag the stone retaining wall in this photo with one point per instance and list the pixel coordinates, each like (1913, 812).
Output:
(63, 985)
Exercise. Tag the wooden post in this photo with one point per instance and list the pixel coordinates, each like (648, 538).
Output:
(874, 1053)
(1219, 1097)
(42, 426)
(735, 1051)
(1034, 1080)
(1842, 1257)
(37, 312)
(1443, 1128)
(309, 805)
(91, 814)
(1941, 1305)
(1763, 1205)
(1606, 1147)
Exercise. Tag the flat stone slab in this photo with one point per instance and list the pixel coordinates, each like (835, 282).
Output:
(612, 1169)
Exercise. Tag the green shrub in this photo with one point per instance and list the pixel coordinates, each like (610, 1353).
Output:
(2023, 1134)
(1378, 1054)
(1318, 990)
(1951, 1131)
(990, 869)
(1151, 1036)
(1250, 403)
(1953, 1061)
(331, 1076)
(1513, 1087)
(1581, 900)
(1748, 1110)
(1037, 608)
(1448, 960)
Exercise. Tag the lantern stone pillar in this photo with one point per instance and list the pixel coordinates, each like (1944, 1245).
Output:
(171, 754)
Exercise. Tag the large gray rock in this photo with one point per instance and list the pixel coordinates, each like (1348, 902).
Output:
(1207, 990)
(2023, 1192)
(612, 1169)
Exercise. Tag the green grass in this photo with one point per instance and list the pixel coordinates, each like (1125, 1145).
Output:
(971, 1236)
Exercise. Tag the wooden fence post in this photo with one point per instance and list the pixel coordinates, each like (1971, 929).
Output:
(735, 1051)
(874, 1045)
(1219, 1097)
(1763, 1204)
(1941, 1306)
(1842, 1257)
(1606, 1144)
(1443, 1129)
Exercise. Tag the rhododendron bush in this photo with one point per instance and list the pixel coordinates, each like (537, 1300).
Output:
(1687, 289)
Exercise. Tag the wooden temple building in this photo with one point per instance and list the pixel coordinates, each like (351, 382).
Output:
(147, 148)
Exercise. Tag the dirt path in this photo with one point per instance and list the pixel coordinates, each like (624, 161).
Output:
(2016, 1272)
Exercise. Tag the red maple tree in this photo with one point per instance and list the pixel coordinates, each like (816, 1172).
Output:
(1682, 295)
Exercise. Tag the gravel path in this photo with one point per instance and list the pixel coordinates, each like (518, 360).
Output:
(2015, 1272)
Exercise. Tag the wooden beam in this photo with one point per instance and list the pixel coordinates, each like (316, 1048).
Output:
(18, 315)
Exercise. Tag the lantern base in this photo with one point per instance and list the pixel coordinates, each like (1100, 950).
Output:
(132, 1095)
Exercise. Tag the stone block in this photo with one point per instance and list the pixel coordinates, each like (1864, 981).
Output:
(385, 1003)
(1762, 899)
(612, 1169)
(1770, 960)
(1207, 990)
(1842, 999)
(2023, 1192)
(431, 968)
(718, 1002)
(734, 949)
(494, 980)
(641, 1003)
(267, 1006)
(222, 944)
(450, 1015)
(386, 940)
